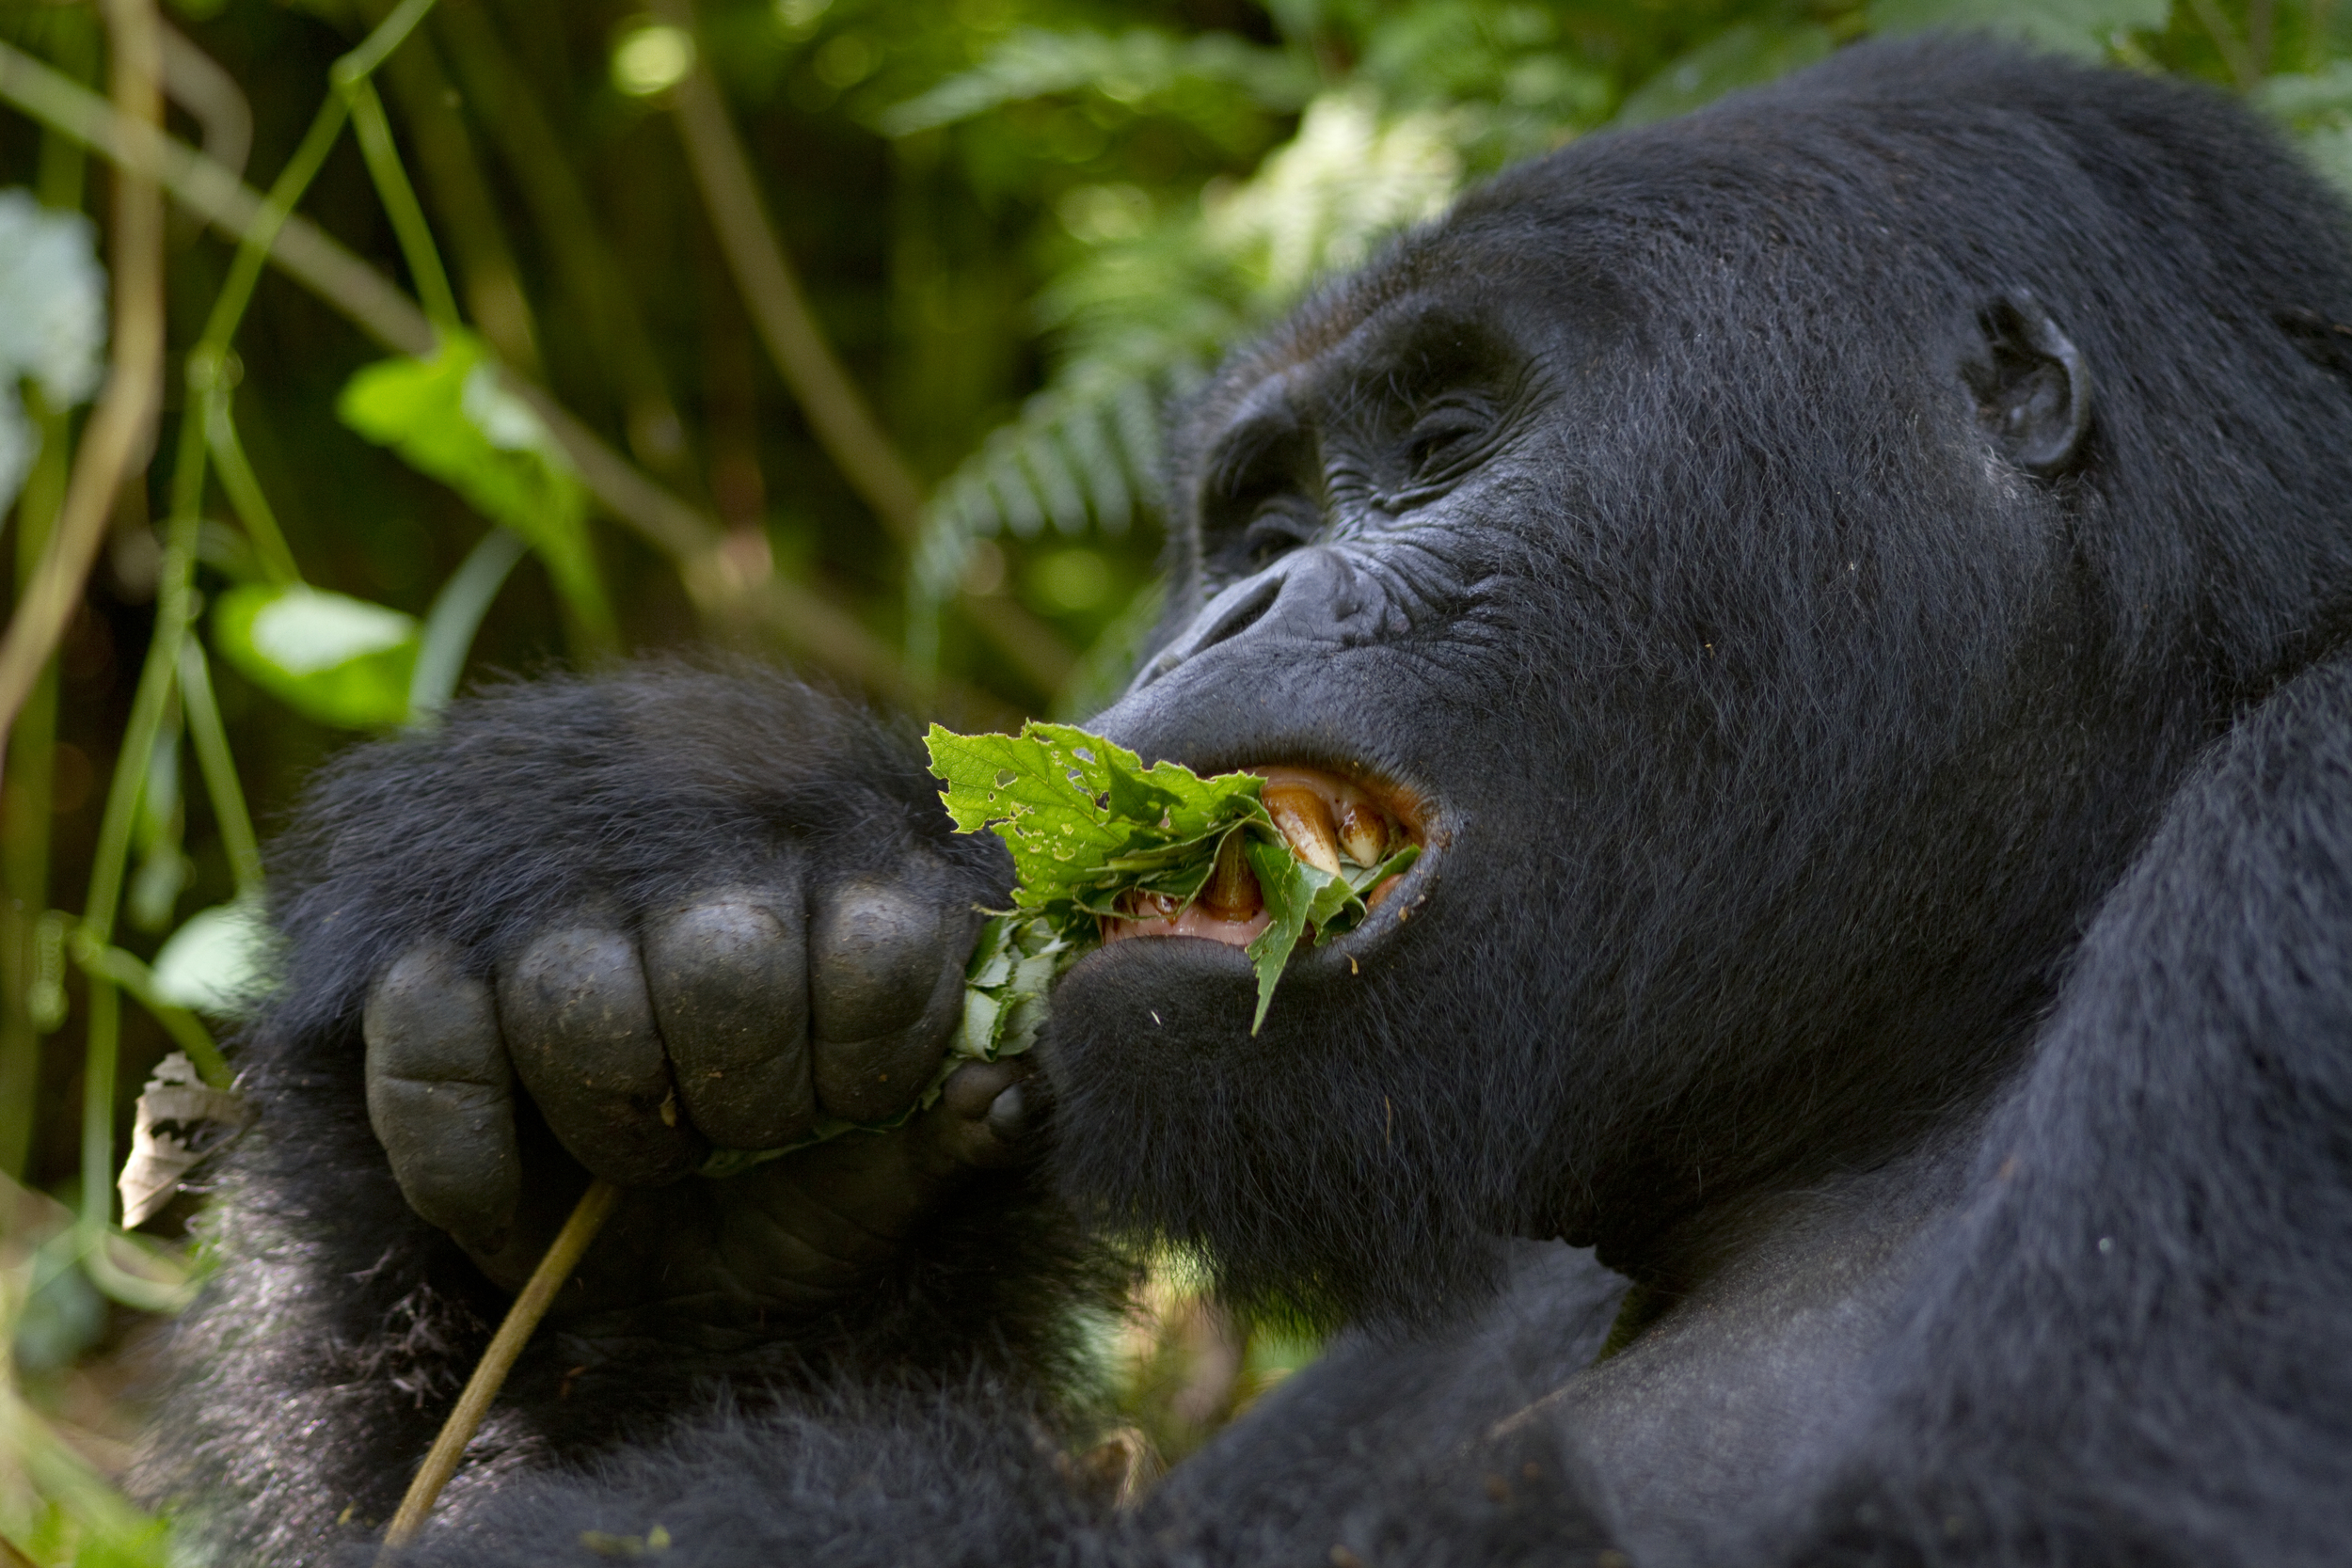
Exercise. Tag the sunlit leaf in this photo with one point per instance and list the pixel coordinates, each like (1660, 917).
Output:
(52, 321)
(216, 962)
(449, 416)
(331, 657)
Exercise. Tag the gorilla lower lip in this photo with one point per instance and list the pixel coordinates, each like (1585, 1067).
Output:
(1330, 822)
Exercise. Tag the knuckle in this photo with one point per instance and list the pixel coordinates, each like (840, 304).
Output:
(426, 1017)
(452, 1147)
(873, 1078)
(728, 976)
(578, 995)
(579, 1026)
(875, 953)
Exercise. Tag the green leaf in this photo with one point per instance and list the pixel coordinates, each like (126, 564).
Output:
(2080, 27)
(1085, 820)
(216, 962)
(1292, 891)
(450, 416)
(1088, 823)
(330, 658)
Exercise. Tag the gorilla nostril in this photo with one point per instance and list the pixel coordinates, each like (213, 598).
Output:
(1249, 608)
(1245, 612)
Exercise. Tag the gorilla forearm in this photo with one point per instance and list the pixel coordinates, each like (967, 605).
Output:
(963, 1478)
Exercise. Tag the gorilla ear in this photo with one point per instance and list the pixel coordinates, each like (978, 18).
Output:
(2031, 385)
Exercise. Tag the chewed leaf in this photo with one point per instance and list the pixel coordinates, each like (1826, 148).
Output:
(1084, 818)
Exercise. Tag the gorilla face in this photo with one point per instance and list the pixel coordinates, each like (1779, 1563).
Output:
(1715, 627)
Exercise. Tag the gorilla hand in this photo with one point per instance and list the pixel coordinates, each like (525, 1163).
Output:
(732, 1018)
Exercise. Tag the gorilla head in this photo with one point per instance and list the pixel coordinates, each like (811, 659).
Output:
(1779, 561)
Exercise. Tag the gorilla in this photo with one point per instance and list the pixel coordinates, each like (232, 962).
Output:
(1850, 589)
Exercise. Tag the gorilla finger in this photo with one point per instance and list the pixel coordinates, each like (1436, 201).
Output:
(441, 1093)
(885, 967)
(729, 980)
(987, 1115)
(581, 1031)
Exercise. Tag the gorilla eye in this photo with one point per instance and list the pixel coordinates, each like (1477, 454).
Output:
(1278, 528)
(1444, 438)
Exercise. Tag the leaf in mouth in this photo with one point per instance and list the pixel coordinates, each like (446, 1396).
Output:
(1087, 825)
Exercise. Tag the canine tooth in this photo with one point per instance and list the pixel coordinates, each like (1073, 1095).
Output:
(1363, 833)
(1233, 891)
(1306, 821)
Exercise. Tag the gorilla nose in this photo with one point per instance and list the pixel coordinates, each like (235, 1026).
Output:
(1314, 594)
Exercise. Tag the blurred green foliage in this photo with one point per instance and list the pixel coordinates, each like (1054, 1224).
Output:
(1024, 226)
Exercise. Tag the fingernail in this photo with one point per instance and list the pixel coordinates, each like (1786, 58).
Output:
(1009, 1116)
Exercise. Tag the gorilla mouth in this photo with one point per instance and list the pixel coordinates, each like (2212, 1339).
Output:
(1332, 823)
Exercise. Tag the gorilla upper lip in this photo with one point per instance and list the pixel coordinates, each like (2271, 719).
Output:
(1332, 822)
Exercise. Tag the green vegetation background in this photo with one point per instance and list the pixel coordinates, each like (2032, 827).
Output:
(834, 329)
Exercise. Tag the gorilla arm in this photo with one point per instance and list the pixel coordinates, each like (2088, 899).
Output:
(599, 927)
(2168, 1183)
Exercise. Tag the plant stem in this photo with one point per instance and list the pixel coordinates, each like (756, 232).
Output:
(2225, 40)
(26, 786)
(489, 283)
(127, 409)
(440, 1461)
(399, 198)
(457, 615)
(836, 410)
(124, 972)
(798, 615)
(211, 739)
(245, 492)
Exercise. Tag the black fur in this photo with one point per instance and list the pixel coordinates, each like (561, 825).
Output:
(1857, 580)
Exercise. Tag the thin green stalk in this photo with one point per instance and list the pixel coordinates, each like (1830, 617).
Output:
(236, 290)
(28, 779)
(368, 123)
(457, 615)
(101, 1054)
(158, 677)
(211, 739)
(125, 971)
(377, 46)
(244, 493)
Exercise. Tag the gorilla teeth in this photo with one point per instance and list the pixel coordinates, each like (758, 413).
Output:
(1363, 831)
(1233, 891)
(1305, 819)
(1325, 816)
(1329, 822)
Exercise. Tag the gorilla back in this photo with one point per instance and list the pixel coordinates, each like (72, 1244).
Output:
(1850, 591)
